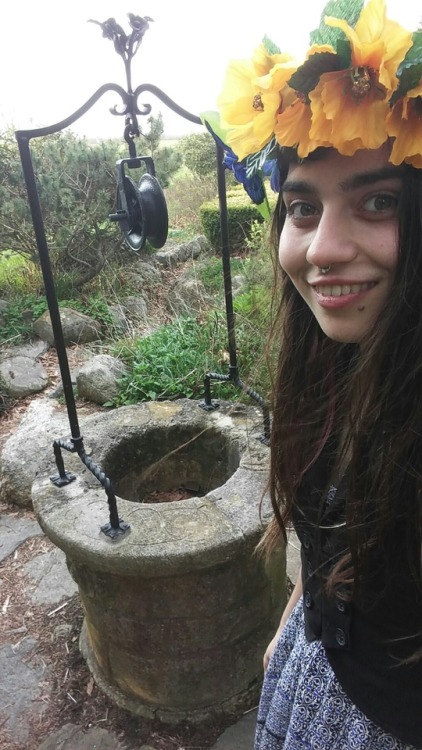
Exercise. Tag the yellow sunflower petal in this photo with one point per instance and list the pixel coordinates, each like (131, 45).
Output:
(244, 141)
(376, 42)
(371, 21)
(316, 49)
(350, 122)
(405, 125)
(293, 129)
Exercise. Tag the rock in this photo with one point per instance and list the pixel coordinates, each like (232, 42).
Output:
(21, 455)
(21, 376)
(98, 380)
(53, 581)
(135, 307)
(181, 253)
(187, 295)
(238, 285)
(22, 672)
(204, 244)
(33, 350)
(72, 737)
(240, 735)
(78, 328)
(14, 531)
(120, 323)
(144, 274)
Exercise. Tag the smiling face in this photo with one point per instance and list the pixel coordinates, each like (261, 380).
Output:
(342, 214)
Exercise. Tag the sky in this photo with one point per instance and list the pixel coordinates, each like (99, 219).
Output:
(52, 60)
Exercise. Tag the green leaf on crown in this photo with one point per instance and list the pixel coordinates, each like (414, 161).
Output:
(307, 76)
(349, 10)
(344, 52)
(414, 56)
(255, 162)
(270, 46)
(409, 79)
(410, 70)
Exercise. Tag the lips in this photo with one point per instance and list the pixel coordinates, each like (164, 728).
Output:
(341, 290)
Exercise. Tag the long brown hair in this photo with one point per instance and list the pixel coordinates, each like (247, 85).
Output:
(318, 386)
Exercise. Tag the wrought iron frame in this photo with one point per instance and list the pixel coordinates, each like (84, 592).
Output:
(130, 110)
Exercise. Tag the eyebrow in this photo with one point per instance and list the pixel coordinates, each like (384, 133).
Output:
(355, 181)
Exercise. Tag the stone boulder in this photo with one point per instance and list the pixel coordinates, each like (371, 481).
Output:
(143, 273)
(20, 460)
(172, 256)
(21, 376)
(188, 295)
(135, 307)
(78, 328)
(98, 379)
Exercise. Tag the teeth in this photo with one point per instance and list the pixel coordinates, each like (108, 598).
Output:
(337, 291)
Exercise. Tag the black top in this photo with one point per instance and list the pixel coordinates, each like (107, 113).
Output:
(366, 639)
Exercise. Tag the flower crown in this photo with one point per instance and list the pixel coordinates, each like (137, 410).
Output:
(360, 85)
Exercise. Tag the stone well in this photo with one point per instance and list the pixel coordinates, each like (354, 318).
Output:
(178, 611)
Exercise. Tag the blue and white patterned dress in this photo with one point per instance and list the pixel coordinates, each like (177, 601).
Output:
(303, 706)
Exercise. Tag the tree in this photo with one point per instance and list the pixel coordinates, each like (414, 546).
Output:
(198, 152)
(167, 163)
(154, 134)
(76, 186)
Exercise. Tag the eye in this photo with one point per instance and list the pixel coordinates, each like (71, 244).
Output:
(382, 202)
(300, 210)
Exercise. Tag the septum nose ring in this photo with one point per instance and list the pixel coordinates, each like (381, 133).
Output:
(324, 269)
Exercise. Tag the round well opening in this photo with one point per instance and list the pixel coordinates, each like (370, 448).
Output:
(181, 460)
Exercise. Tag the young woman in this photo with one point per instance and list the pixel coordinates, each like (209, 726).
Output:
(344, 134)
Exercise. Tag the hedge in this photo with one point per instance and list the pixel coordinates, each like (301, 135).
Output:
(241, 214)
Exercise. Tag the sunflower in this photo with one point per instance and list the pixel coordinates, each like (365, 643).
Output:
(251, 98)
(405, 124)
(355, 101)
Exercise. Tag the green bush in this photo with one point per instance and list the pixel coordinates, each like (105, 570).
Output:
(198, 151)
(172, 362)
(21, 312)
(241, 215)
(210, 272)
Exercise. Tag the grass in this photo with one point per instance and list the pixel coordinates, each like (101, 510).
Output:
(172, 362)
(24, 309)
(17, 274)
(210, 272)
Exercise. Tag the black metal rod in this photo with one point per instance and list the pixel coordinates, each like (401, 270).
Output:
(47, 273)
(225, 255)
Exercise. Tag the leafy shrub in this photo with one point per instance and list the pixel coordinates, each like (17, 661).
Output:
(199, 154)
(241, 215)
(172, 361)
(211, 272)
(17, 274)
(23, 310)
